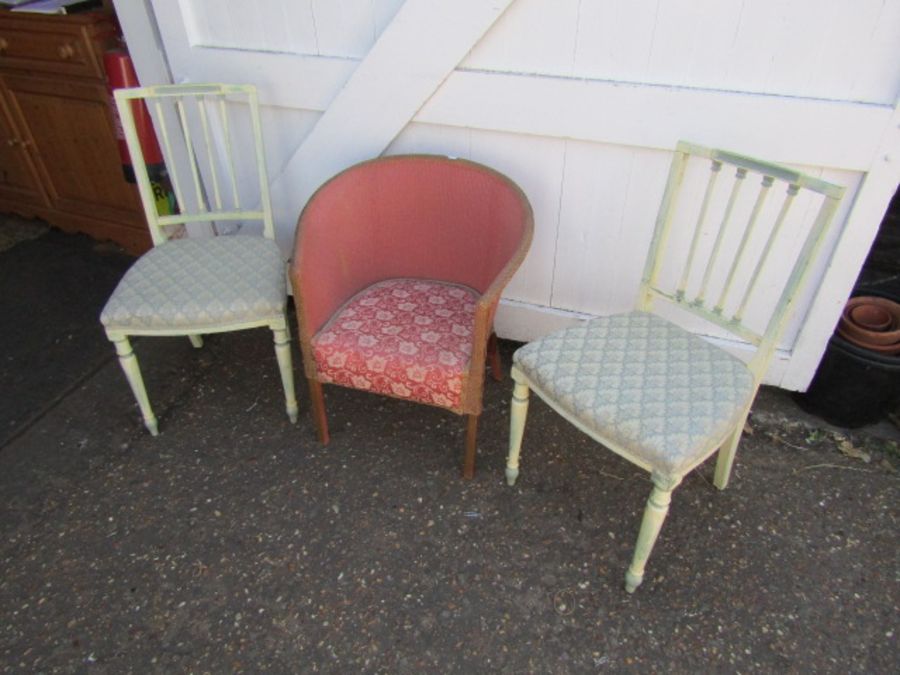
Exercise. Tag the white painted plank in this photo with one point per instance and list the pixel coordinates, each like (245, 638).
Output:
(874, 195)
(385, 90)
(344, 28)
(713, 46)
(524, 322)
(218, 23)
(383, 12)
(320, 78)
(788, 47)
(787, 130)
(609, 204)
(144, 43)
(430, 139)
(797, 46)
(269, 25)
(877, 76)
(274, 25)
(531, 37)
(679, 35)
(300, 26)
(536, 165)
(615, 38)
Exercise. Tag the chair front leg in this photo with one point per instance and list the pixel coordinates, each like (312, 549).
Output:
(283, 354)
(654, 515)
(132, 370)
(517, 415)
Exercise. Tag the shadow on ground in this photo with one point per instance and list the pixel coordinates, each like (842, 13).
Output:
(233, 541)
(51, 291)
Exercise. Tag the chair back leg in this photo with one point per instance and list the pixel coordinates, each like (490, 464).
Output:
(132, 370)
(725, 458)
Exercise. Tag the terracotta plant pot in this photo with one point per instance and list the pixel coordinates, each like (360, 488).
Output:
(871, 317)
(872, 323)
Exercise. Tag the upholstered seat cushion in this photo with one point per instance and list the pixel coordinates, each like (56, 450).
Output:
(408, 338)
(643, 383)
(194, 283)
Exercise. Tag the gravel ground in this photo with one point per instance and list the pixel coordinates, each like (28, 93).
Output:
(234, 542)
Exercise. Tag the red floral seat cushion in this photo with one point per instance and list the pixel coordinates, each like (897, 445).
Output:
(408, 338)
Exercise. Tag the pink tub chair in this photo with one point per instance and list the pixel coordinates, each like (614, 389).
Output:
(398, 267)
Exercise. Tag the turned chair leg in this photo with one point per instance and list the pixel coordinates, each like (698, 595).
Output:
(725, 459)
(471, 440)
(317, 401)
(132, 370)
(493, 353)
(654, 515)
(283, 354)
(518, 413)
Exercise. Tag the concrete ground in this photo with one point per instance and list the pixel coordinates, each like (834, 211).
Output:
(234, 542)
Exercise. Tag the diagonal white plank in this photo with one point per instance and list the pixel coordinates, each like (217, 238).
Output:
(412, 57)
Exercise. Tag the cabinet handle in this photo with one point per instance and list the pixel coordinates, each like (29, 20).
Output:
(4, 45)
(66, 51)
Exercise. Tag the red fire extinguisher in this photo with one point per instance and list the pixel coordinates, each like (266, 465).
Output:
(120, 74)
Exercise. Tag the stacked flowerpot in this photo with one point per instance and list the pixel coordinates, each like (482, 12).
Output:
(858, 381)
(872, 323)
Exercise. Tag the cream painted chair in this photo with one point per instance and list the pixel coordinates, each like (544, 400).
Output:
(195, 286)
(647, 389)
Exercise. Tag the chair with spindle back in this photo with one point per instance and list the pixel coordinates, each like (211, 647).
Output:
(196, 286)
(649, 390)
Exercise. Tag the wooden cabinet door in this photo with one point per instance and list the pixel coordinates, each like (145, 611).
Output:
(18, 180)
(71, 129)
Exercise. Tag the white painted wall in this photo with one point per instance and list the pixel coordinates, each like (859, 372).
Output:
(580, 102)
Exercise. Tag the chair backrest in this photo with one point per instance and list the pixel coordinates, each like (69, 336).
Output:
(211, 141)
(416, 216)
(747, 251)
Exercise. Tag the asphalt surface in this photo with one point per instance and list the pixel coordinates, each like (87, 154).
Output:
(233, 542)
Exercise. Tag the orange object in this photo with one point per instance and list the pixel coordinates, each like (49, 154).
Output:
(120, 74)
(398, 267)
(871, 323)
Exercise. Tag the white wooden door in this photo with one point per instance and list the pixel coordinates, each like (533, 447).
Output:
(579, 101)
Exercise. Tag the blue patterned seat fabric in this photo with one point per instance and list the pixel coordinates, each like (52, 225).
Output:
(192, 283)
(643, 383)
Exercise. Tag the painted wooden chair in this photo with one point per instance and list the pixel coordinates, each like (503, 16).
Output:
(652, 392)
(194, 286)
(398, 267)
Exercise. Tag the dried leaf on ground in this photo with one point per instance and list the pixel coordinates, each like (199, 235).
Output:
(849, 450)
